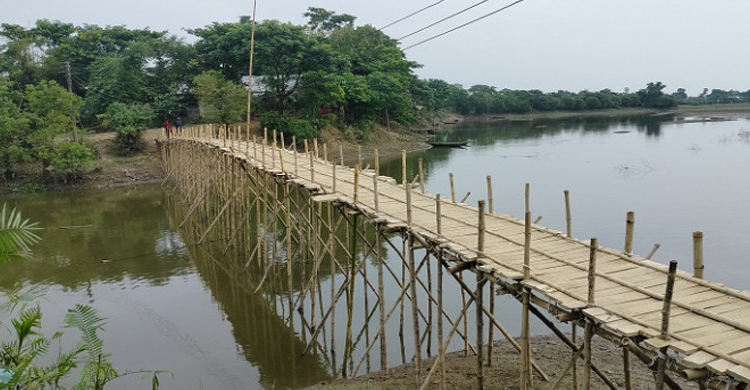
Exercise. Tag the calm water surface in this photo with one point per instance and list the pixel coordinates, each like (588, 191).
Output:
(171, 308)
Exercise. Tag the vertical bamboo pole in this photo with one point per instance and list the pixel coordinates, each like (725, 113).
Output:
(381, 293)
(491, 332)
(525, 382)
(478, 303)
(325, 153)
(490, 205)
(666, 308)
(421, 174)
(480, 326)
(341, 154)
(263, 152)
(629, 224)
(568, 220)
(377, 163)
(315, 148)
(255, 149)
(294, 145)
(626, 368)
(375, 192)
(312, 168)
(574, 354)
(273, 151)
(527, 196)
(333, 168)
(404, 180)
(359, 156)
(438, 215)
(356, 185)
(441, 347)
(453, 188)
(698, 255)
(333, 285)
(589, 327)
(413, 281)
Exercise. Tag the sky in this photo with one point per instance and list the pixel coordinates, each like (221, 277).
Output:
(549, 45)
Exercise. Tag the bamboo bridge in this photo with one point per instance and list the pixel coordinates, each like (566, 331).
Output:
(280, 205)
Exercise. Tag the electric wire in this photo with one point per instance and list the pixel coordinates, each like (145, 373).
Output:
(410, 15)
(462, 25)
(442, 20)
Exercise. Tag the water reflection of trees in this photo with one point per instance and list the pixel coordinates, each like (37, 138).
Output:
(486, 134)
(98, 236)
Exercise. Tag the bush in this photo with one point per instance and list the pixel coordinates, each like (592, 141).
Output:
(300, 128)
(70, 158)
(129, 121)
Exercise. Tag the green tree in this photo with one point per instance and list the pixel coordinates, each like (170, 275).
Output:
(322, 21)
(129, 121)
(653, 96)
(220, 100)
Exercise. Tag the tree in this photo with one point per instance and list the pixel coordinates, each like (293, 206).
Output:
(653, 97)
(224, 47)
(129, 121)
(220, 100)
(323, 22)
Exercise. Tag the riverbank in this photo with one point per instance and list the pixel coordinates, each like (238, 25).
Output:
(110, 170)
(551, 354)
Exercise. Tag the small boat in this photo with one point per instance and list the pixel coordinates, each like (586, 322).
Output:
(448, 144)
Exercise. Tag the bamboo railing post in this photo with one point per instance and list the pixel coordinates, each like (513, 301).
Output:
(453, 188)
(525, 379)
(375, 192)
(312, 168)
(438, 216)
(589, 327)
(568, 219)
(421, 174)
(490, 201)
(294, 145)
(481, 227)
(653, 251)
(629, 224)
(408, 206)
(255, 149)
(527, 196)
(666, 308)
(325, 153)
(698, 255)
(356, 185)
(377, 163)
(404, 181)
(315, 148)
(359, 156)
(341, 154)
(263, 152)
(333, 173)
(273, 151)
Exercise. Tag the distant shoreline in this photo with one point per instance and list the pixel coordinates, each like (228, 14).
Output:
(713, 109)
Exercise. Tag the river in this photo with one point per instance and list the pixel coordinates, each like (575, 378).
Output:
(172, 308)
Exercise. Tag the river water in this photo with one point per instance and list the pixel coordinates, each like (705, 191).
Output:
(169, 308)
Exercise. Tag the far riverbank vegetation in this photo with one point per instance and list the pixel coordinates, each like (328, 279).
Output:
(60, 81)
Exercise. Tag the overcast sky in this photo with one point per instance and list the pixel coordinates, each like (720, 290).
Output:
(537, 44)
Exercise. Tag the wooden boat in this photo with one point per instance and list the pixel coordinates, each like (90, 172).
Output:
(448, 144)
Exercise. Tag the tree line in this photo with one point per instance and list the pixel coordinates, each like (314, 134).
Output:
(57, 76)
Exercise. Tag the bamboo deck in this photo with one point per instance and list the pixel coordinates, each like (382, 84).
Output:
(709, 324)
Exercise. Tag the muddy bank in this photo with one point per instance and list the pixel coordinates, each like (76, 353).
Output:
(547, 351)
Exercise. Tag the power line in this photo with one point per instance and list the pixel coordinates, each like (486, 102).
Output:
(442, 20)
(410, 15)
(463, 25)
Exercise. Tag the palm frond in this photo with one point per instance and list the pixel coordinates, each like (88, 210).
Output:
(16, 234)
(88, 321)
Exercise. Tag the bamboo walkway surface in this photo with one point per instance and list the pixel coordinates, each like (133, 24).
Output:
(708, 324)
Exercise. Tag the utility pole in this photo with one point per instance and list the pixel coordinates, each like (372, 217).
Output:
(250, 71)
(72, 104)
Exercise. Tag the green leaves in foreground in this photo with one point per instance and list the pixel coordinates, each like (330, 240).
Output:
(16, 234)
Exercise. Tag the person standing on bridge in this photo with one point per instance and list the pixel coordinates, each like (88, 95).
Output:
(178, 125)
(167, 128)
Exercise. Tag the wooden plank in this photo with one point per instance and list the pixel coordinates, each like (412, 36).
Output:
(720, 366)
(741, 373)
(699, 359)
(623, 327)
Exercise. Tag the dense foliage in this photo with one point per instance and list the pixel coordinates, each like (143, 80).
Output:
(328, 71)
